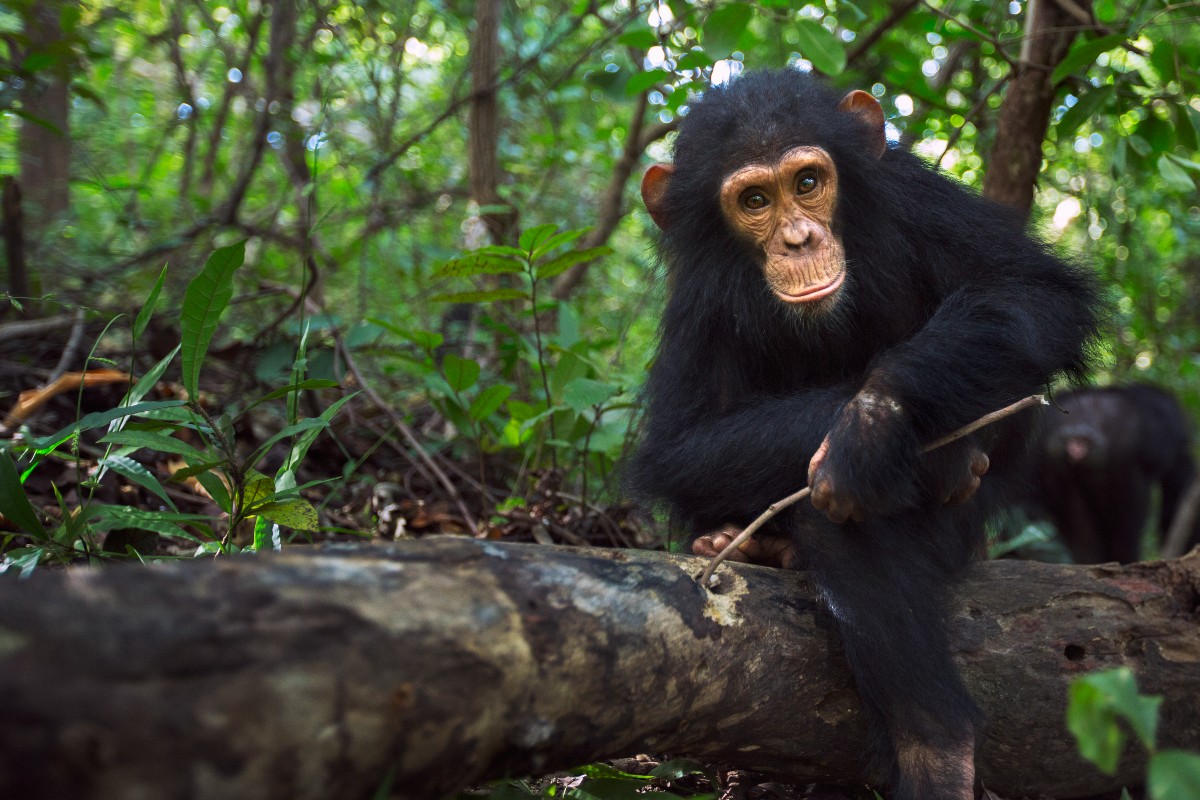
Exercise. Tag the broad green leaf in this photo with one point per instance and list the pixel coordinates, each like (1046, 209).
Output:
(1083, 110)
(263, 529)
(13, 503)
(531, 238)
(641, 39)
(694, 59)
(557, 240)
(165, 523)
(1174, 775)
(488, 401)
(258, 491)
(161, 443)
(137, 473)
(489, 296)
(582, 394)
(216, 489)
(146, 383)
(1175, 175)
(461, 373)
(1186, 163)
(1194, 116)
(646, 80)
(296, 513)
(203, 303)
(98, 418)
(564, 261)
(426, 340)
(1139, 145)
(1095, 727)
(143, 317)
(1083, 54)
(480, 264)
(724, 27)
(821, 46)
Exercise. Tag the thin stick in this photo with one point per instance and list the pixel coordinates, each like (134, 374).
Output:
(705, 577)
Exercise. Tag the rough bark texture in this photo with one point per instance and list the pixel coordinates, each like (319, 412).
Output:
(1016, 157)
(483, 120)
(46, 148)
(313, 673)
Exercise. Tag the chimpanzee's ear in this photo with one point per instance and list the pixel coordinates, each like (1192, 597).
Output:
(654, 192)
(867, 109)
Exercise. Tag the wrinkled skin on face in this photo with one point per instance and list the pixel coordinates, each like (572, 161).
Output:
(785, 209)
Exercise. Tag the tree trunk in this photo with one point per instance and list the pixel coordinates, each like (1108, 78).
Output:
(447, 661)
(12, 225)
(46, 148)
(483, 122)
(1016, 156)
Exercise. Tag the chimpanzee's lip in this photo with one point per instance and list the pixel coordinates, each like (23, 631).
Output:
(816, 293)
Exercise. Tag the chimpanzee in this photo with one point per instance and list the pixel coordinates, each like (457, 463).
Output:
(1099, 461)
(834, 303)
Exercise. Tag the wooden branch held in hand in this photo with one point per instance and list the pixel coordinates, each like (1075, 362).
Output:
(705, 577)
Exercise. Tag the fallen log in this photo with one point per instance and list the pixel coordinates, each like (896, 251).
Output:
(317, 672)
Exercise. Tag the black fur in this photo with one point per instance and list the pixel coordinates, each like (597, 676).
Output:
(1136, 438)
(948, 306)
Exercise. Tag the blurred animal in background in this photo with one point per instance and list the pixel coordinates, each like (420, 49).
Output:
(1100, 461)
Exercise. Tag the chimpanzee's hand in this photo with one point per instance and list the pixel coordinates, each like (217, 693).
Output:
(952, 472)
(770, 551)
(866, 467)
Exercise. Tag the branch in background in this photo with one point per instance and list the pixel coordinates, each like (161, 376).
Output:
(900, 9)
(1016, 156)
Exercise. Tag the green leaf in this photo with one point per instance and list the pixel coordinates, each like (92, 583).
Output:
(1139, 145)
(558, 240)
(1174, 775)
(1083, 110)
(694, 59)
(161, 443)
(1186, 163)
(307, 385)
(146, 383)
(137, 473)
(641, 39)
(820, 46)
(1194, 116)
(489, 296)
(1175, 175)
(564, 261)
(13, 503)
(259, 490)
(143, 317)
(305, 439)
(461, 373)
(724, 27)
(311, 423)
(203, 303)
(531, 238)
(98, 418)
(263, 530)
(165, 523)
(582, 394)
(216, 489)
(1094, 727)
(488, 401)
(479, 263)
(646, 80)
(1083, 54)
(296, 513)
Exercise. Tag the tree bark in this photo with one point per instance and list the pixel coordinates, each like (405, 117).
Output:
(447, 661)
(12, 227)
(1016, 155)
(46, 148)
(483, 121)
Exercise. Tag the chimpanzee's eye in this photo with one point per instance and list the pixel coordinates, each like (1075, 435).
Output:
(806, 182)
(754, 200)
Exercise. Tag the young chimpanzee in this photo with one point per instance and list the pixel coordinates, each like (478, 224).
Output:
(1098, 462)
(835, 304)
